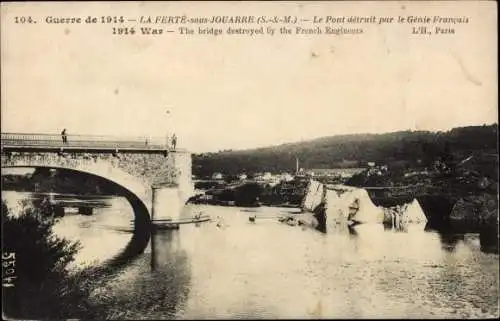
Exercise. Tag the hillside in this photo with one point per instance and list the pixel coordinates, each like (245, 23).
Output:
(399, 149)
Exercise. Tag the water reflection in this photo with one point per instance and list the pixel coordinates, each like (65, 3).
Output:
(169, 251)
(135, 247)
(450, 240)
(155, 284)
(489, 239)
(404, 227)
(170, 267)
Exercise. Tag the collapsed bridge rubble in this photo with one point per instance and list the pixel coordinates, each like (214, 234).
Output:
(336, 204)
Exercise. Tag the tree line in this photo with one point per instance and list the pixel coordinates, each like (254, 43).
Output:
(403, 148)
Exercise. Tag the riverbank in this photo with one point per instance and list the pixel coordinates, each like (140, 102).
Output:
(251, 193)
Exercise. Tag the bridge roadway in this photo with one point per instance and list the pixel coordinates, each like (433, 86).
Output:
(83, 143)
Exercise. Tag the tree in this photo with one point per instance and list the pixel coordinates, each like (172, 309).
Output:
(40, 264)
(248, 194)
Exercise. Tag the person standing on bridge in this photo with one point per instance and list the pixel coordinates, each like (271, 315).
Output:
(64, 136)
(174, 141)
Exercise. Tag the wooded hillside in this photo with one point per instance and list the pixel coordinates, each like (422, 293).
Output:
(404, 148)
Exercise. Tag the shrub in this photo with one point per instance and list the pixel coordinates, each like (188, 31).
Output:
(41, 258)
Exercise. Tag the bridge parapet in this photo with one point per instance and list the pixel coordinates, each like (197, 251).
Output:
(89, 141)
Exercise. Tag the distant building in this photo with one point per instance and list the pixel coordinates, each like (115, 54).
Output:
(257, 176)
(267, 176)
(334, 172)
(286, 177)
(349, 172)
(217, 175)
(301, 172)
(416, 173)
(323, 172)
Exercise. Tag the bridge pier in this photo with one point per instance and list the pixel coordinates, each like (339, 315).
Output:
(166, 206)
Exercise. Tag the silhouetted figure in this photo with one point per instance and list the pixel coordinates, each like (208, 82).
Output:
(64, 136)
(174, 141)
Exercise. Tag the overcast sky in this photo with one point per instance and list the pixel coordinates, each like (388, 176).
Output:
(240, 92)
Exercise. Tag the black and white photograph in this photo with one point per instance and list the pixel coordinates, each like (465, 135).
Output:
(249, 160)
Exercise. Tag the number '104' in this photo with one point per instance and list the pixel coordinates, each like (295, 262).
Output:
(27, 19)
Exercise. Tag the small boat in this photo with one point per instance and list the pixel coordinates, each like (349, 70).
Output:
(165, 226)
(122, 229)
(169, 223)
(190, 220)
(288, 220)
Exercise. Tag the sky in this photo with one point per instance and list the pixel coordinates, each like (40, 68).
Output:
(236, 92)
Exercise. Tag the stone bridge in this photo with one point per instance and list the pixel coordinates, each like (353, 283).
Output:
(155, 178)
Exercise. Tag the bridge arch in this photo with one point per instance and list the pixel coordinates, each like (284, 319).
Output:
(137, 193)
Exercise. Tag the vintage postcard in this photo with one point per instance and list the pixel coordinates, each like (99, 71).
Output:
(250, 159)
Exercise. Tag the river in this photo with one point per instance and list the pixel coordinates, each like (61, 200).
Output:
(234, 268)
